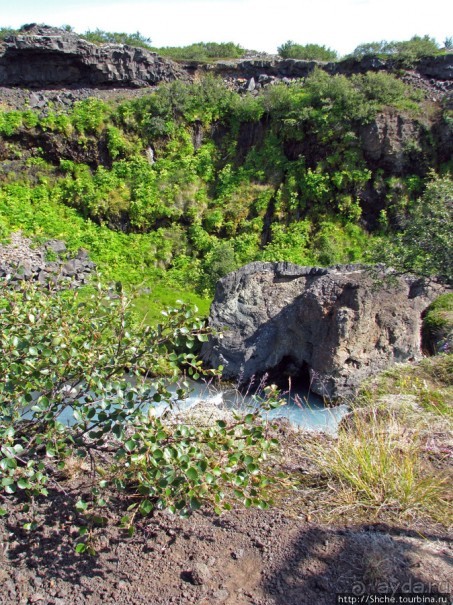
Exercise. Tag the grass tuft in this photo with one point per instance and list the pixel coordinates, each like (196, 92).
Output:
(379, 465)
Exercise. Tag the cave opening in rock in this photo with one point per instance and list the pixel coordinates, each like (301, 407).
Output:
(290, 374)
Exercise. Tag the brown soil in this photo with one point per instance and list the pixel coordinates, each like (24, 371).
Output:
(242, 557)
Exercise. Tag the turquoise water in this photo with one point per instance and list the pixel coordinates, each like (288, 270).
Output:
(301, 408)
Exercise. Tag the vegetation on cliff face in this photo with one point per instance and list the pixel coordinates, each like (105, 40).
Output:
(424, 244)
(194, 180)
(438, 325)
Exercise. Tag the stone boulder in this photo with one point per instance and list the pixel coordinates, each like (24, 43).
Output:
(40, 56)
(331, 326)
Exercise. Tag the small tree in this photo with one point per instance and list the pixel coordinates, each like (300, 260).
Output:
(425, 245)
(77, 380)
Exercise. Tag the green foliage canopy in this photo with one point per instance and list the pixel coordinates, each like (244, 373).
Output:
(406, 51)
(309, 52)
(425, 244)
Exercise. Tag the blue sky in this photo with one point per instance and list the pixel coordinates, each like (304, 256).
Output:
(255, 24)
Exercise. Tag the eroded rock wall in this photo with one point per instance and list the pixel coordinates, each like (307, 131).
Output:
(339, 325)
(43, 57)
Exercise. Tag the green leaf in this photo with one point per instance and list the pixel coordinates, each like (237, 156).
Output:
(146, 507)
(192, 473)
(130, 445)
(81, 505)
(3, 512)
(195, 504)
(80, 548)
(209, 478)
(157, 454)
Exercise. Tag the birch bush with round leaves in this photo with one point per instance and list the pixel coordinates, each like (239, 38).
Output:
(76, 381)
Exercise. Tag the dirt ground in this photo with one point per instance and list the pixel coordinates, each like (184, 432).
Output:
(242, 557)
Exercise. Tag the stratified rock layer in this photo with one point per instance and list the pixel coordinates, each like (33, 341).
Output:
(43, 56)
(335, 325)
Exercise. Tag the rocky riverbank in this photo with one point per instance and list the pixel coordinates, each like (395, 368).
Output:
(313, 544)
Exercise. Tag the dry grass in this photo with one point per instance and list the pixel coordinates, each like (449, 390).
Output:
(391, 458)
(378, 465)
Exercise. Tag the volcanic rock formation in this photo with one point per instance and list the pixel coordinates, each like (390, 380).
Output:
(334, 326)
(41, 56)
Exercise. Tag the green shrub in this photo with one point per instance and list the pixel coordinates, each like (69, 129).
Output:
(309, 52)
(425, 244)
(406, 52)
(99, 36)
(438, 325)
(5, 32)
(202, 51)
(63, 359)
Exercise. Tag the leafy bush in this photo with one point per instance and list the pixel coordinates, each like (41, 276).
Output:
(309, 52)
(425, 245)
(75, 384)
(99, 36)
(5, 32)
(202, 51)
(406, 52)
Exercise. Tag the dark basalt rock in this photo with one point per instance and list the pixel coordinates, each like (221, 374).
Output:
(335, 326)
(42, 57)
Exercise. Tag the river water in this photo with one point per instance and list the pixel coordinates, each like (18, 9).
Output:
(301, 408)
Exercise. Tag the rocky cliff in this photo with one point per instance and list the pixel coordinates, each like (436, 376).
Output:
(43, 57)
(433, 73)
(47, 57)
(332, 327)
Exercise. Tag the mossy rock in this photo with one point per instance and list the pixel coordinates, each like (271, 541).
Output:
(437, 331)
